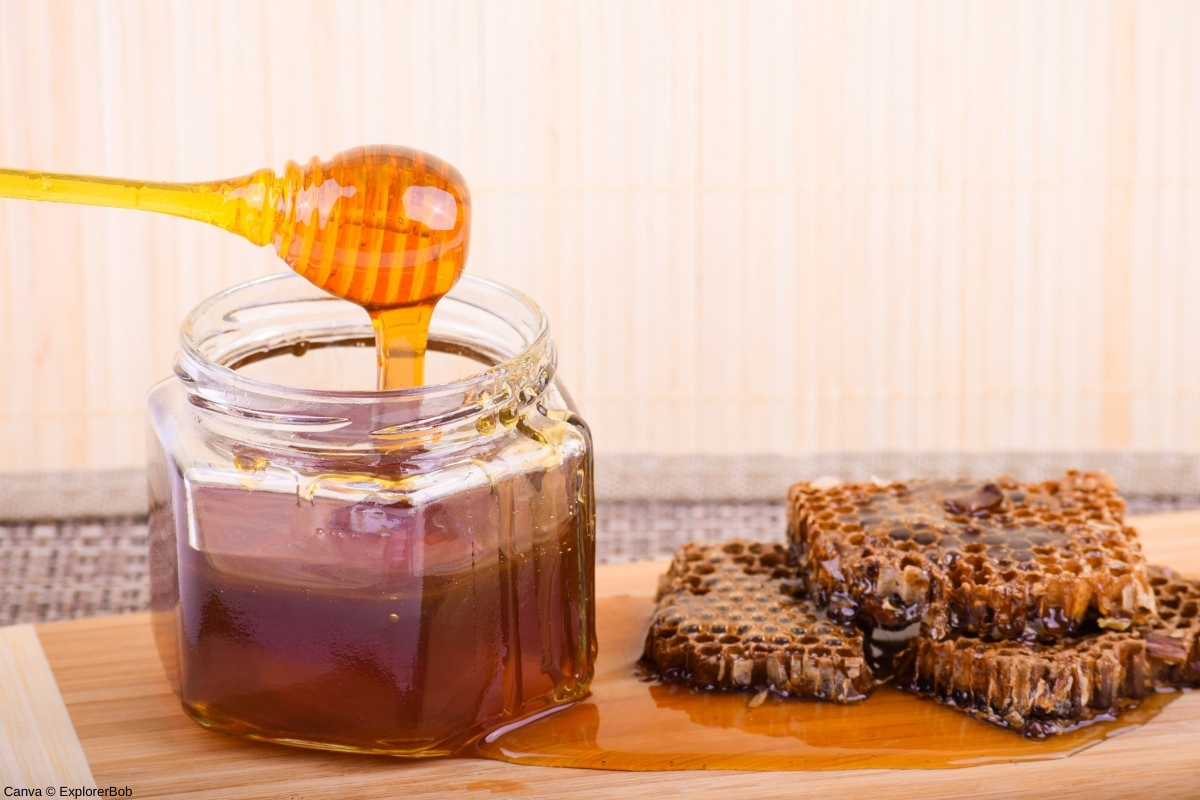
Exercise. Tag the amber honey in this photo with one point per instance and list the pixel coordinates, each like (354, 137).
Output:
(344, 653)
(632, 723)
(383, 611)
(345, 569)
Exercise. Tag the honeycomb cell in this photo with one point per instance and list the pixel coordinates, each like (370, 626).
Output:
(1005, 528)
(976, 677)
(713, 648)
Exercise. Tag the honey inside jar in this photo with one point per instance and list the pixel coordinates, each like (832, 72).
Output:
(339, 568)
(341, 636)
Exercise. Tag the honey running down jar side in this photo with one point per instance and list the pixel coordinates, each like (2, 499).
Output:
(336, 567)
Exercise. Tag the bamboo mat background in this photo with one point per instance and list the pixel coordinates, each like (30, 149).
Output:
(758, 227)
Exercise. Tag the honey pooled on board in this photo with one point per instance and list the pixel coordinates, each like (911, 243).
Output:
(631, 722)
(386, 228)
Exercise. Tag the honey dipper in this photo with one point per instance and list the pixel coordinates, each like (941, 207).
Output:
(384, 227)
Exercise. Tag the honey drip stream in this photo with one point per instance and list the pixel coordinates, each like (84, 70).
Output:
(629, 723)
(386, 228)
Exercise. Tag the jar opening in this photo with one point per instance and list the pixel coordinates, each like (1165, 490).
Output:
(350, 365)
(491, 355)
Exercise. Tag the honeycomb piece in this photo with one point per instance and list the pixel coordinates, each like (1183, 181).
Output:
(735, 616)
(1172, 645)
(998, 559)
(1037, 689)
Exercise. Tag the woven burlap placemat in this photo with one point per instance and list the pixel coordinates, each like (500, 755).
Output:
(638, 478)
(72, 569)
(74, 545)
(65, 570)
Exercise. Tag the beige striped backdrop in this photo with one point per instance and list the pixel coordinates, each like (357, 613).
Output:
(758, 227)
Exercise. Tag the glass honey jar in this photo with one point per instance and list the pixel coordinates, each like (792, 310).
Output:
(376, 571)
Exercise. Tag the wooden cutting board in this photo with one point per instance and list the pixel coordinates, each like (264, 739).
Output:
(85, 703)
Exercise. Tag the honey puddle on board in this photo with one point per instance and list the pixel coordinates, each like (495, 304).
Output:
(630, 724)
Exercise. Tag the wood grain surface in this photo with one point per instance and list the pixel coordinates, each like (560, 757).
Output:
(135, 735)
(32, 711)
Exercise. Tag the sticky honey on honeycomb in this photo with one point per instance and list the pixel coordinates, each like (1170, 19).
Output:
(1173, 637)
(735, 616)
(999, 559)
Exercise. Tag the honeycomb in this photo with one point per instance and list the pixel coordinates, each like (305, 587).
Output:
(735, 616)
(998, 559)
(1046, 688)
(1035, 688)
(1171, 636)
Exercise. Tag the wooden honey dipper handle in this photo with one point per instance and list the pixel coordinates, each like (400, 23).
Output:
(383, 227)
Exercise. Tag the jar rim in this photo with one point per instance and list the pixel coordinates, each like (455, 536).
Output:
(486, 318)
(191, 348)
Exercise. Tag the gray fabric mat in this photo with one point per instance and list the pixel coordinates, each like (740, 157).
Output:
(671, 479)
(69, 569)
(56, 496)
(51, 571)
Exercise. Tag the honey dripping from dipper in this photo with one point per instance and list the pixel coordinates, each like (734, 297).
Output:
(384, 227)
